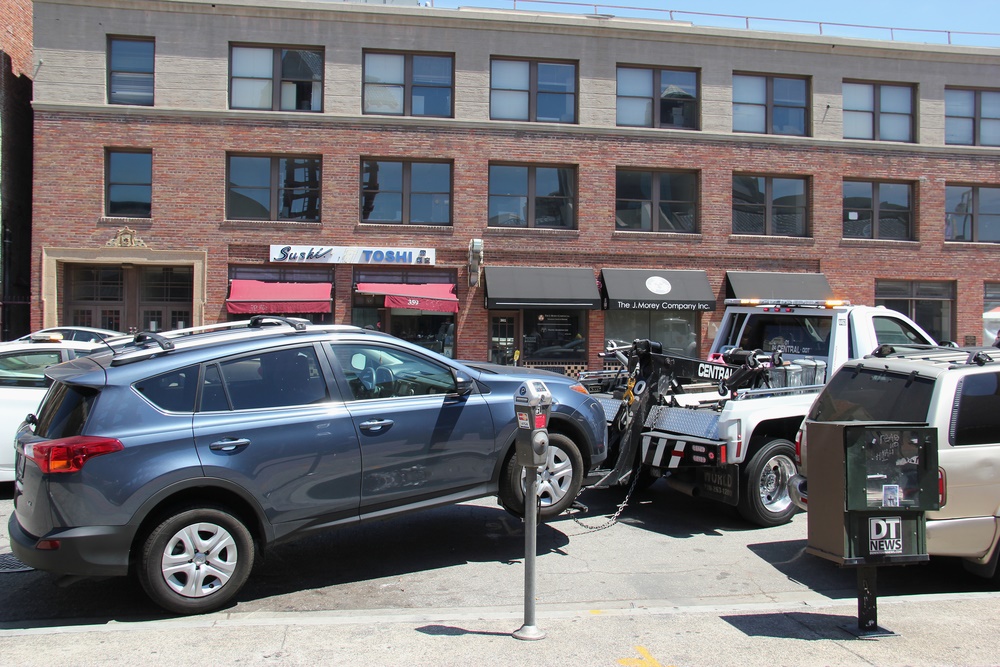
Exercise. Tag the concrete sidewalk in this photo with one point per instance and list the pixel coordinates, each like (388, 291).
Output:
(931, 630)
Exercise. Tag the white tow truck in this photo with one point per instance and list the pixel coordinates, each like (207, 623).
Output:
(723, 428)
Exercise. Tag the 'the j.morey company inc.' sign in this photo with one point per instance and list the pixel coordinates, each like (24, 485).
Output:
(314, 254)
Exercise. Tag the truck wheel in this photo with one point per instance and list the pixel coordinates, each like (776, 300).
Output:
(764, 498)
(196, 560)
(559, 480)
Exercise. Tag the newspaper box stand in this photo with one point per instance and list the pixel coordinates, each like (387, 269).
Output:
(869, 487)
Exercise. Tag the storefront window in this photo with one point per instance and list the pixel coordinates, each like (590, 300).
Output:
(678, 332)
(929, 304)
(430, 329)
(991, 313)
(554, 335)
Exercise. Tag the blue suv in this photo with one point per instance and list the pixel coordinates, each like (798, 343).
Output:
(178, 457)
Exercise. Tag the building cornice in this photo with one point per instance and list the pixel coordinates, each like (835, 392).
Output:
(583, 25)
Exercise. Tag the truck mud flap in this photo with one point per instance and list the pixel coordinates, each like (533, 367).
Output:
(721, 483)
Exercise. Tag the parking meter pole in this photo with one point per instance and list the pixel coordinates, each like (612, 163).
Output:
(532, 403)
(530, 631)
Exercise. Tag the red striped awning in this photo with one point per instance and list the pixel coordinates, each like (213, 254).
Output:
(255, 297)
(437, 297)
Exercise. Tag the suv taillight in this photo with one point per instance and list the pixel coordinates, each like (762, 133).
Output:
(69, 454)
(942, 488)
(798, 446)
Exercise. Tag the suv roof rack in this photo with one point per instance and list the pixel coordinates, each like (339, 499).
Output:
(940, 353)
(146, 344)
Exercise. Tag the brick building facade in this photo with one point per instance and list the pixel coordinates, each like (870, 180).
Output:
(180, 145)
(15, 166)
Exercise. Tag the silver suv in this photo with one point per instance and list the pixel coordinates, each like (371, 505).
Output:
(957, 391)
(179, 456)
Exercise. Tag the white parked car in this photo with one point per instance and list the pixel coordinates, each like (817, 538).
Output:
(83, 334)
(23, 384)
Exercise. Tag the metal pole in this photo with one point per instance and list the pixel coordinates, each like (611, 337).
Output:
(529, 631)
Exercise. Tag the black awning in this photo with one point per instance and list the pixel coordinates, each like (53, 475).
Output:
(777, 286)
(650, 289)
(512, 287)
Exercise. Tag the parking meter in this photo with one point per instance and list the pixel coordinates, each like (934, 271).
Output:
(532, 404)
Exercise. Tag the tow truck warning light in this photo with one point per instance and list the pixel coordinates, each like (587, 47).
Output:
(779, 304)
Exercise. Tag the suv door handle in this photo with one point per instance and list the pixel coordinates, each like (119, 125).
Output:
(229, 444)
(375, 424)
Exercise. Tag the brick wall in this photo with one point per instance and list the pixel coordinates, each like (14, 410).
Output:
(189, 163)
(15, 34)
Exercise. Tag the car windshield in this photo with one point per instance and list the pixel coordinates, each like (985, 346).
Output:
(872, 394)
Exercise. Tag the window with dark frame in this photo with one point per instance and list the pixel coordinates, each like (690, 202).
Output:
(273, 188)
(972, 117)
(668, 197)
(533, 90)
(128, 183)
(408, 84)
(878, 111)
(650, 97)
(276, 78)
(770, 104)
(972, 213)
(878, 210)
(131, 65)
(770, 205)
(931, 304)
(532, 196)
(405, 192)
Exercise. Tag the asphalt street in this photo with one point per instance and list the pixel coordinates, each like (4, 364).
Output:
(674, 582)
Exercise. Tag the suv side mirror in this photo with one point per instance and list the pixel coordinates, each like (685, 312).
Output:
(463, 383)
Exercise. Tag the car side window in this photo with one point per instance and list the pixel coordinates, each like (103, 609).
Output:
(26, 369)
(374, 371)
(890, 331)
(280, 378)
(174, 391)
(977, 417)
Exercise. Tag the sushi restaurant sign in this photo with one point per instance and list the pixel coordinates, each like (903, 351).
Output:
(312, 254)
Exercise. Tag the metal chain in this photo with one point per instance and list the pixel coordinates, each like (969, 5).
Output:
(628, 397)
(614, 517)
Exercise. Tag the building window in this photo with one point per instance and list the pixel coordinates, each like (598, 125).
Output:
(878, 111)
(523, 196)
(972, 214)
(770, 206)
(929, 304)
(991, 312)
(543, 92)
(674, 104)
(130, 71)
(972, 117)
(277, 79)
(408, 84)
(273, 188)
(671, 195)
(878, 210)
(554, 335)
(129, 182)
(770, 105)
(416, 193)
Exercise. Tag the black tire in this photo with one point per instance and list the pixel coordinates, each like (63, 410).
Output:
(196, 560)
(764, 498)
(558, 482)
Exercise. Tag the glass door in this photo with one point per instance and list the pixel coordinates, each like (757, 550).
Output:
(504, 328)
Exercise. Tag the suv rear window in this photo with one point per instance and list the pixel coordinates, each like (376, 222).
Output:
(64, 411)
(871, 394)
